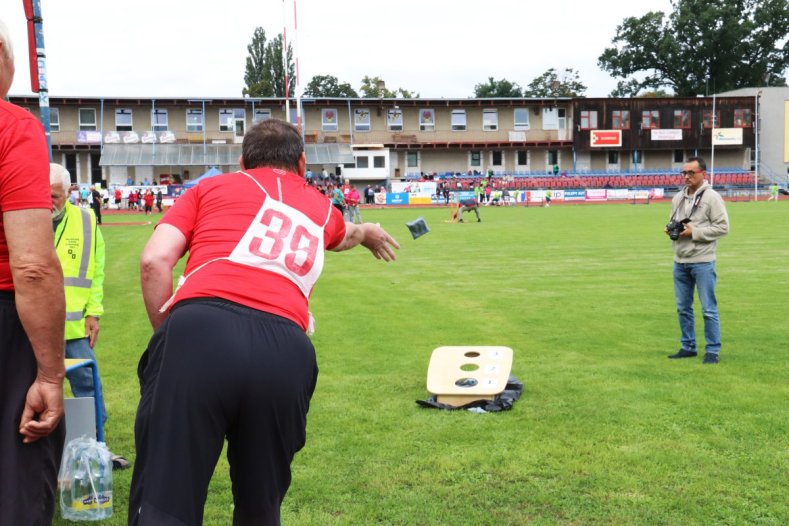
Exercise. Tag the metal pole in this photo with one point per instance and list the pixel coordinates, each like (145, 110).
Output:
(712, 141)
(285, 59)
(296, 56)
(39, 65)
(756, 131)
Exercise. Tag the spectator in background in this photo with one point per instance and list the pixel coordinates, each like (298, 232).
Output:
(118, 197)
(466, 205)
(32, 315)
(773, 192)
(159, 200)
(337, 198)
(95, 203)
(352, 199)
(132, 199)
(148, 202)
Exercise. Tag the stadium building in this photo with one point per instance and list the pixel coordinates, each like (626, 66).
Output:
(583, 141)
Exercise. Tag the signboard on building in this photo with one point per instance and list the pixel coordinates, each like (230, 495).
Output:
(666, 135)
(603, 138)
(726, 136)
(89, 137)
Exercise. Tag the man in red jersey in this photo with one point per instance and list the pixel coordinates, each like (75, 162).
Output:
(230, 357)
(32, 317)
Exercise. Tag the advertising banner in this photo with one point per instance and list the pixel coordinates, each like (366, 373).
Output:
(380, 198)
(89, 137)
(574, 195)
(666, 135)
(617, 193)
(640, 194)
(726, 136)
(397, 198)
(597, 194)
(657, 193)
(603, 138)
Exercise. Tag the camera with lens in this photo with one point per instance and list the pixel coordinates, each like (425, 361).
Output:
(675, 228)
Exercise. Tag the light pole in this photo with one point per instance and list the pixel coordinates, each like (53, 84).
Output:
(756, 139)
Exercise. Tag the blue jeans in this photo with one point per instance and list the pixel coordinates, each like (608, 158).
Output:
(81, 379)
(702, 277)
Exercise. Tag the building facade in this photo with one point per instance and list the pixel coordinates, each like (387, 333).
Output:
(117, 140)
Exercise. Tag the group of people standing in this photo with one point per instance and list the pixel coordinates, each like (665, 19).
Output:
(139, 200)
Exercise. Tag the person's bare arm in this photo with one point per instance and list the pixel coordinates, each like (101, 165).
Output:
(372, 237)
(41, 305)
(160, 255)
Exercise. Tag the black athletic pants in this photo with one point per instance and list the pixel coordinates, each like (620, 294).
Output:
(216, 370)
(28, 472)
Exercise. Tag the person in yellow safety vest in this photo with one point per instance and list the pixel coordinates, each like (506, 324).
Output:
(80, 248)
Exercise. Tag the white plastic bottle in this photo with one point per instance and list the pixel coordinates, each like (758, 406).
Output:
(86, 481)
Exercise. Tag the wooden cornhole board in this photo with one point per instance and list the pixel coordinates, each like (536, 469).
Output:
(463, 374)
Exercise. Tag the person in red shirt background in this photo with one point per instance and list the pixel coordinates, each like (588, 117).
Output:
(230, 355)
(32, 316)
(352, 199)
(148, 202)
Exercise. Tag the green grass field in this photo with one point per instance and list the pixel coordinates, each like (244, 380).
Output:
(608, 431)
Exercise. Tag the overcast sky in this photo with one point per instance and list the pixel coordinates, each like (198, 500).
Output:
(437, 48)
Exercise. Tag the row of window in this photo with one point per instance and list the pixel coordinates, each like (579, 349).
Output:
(553, 119)
(229, 119)
(620, 119)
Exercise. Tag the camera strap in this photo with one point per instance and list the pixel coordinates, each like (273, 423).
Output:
(696, 201)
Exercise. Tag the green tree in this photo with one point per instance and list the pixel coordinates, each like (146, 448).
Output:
(375, 87)
(265, 74)
(329, 86)
(553, 83)
(701, 46)
(494, 89)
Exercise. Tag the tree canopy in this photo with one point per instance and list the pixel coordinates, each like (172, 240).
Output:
(370, 89)
(701, 47)
(493, 89)
(553, 83)
(264, 75)
(329, 86)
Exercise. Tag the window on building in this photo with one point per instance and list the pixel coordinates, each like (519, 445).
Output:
(362, 161)
(54, 119)
(329, 120)
(123, 120)
(588, 120)
(261, 114)
(225, 120)
(87, 119)
(427, 120)
(394, 120)
(553, 157)
(379, 161)
(458, 120)
(521, 119)
(490, 120)
(361, 120)
(620, 120)
(650, 119)
(497, 158)
(742, 118)
(679, 156)
(159, 120)
(522, 157)
(412, 159)
(554, 118)
(194, 120)
(613, 157)
(706, 118)
(637, 158)
(475, 159)
(682, 118)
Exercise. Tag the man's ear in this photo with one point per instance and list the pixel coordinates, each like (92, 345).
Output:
(302, 165)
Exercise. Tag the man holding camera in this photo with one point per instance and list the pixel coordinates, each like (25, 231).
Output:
(698, 219)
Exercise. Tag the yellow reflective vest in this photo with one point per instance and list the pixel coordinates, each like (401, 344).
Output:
(80, 249)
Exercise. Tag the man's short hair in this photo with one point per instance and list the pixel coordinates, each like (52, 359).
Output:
(59, 175)
(5, 38)
(701, 162)
(274, 144)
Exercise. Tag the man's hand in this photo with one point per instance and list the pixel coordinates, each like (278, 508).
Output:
(687, 232)
(379, 242)
(43, 409)
(91, 329)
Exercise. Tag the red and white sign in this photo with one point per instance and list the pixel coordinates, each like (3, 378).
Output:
(603, 138)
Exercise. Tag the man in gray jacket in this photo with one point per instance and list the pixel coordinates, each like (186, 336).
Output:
(694, 257)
